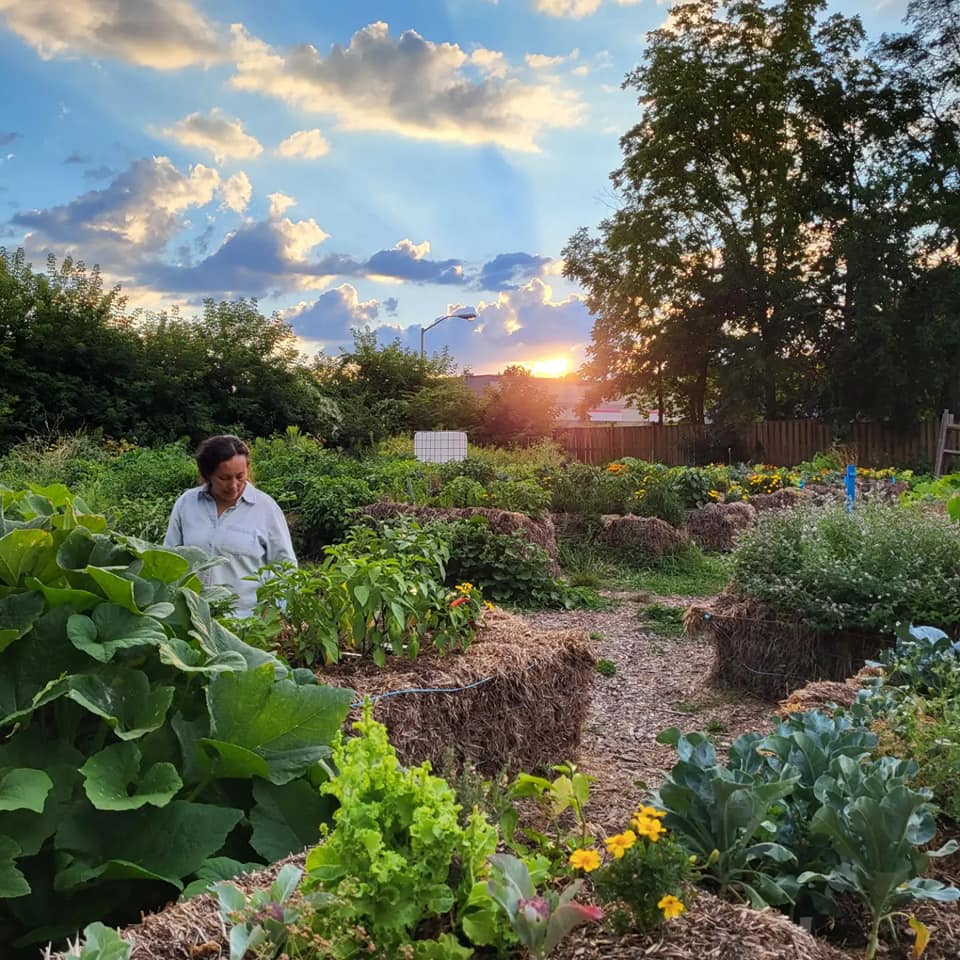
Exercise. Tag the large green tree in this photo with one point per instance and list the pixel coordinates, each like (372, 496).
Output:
(764, 248)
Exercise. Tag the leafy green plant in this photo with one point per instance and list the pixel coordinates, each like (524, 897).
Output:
(606, 667)
(99, 943)
(263, 917)
(666, 620)
(462, 492)
(519, 496)
(327, 509)
(727, 816)
(876, 825)
(540, 921)
(396, 839)
(869, 569)
(138, 732)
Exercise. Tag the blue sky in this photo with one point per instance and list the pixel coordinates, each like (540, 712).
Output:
(349, 164)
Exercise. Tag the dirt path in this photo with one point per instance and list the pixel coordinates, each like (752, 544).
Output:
(659, 682)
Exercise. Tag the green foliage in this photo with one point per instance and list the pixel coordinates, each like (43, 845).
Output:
(375, 594)
(462, 492)
(582, 488)
(139, 733)
(397, 840)
(876, 825)
(667, 621)
(99, 943)
(326, 510)
(519, 496)
(866, 570)
(286, 465)
(659, 499)
(689, 572)
(518, 411)
(540, 921)
(507, 568)
(606, 667)
(634, 885)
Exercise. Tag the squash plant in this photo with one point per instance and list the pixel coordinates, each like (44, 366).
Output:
(140, 738)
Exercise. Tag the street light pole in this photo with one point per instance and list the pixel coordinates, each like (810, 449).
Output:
(464, 313)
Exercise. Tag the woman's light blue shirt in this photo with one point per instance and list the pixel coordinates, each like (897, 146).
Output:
(250, 534)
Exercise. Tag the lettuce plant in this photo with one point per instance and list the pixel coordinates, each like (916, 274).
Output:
(140, 738)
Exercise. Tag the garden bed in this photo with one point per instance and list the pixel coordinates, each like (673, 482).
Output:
(515, 699)
(757, 651)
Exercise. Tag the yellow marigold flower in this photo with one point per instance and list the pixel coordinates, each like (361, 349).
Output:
(585, 860)
(651, 812)
(671, 906)
(619, 844)
(649, 827)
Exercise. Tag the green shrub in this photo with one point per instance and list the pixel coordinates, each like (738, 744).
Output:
(582, 488)
(659, 498)
(140, 738)
(144, 517)
(462, 492)
(865, 570)
(285, 466)
(327, 510)
(146, 472)
(518, 496)
(507, 568)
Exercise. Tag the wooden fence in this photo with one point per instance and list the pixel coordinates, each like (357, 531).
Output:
(778, 442)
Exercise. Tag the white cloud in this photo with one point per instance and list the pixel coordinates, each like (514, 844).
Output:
(138, 212)
(540, 61)
(491, 62)
(306, 144)
(236, 192)
(405, 85)
(162, 34)
(224, 138)
(416, 251)
(279, 202)
(575, 9)
(332, 316)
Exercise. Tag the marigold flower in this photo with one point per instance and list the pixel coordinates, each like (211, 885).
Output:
(585, 860)
(671, 906)
(651, 812)
(619, 844)
(649, 827)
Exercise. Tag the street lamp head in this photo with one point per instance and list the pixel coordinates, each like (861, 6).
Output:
(465, 313)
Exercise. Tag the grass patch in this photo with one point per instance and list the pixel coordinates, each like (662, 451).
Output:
(667, 621)
(584, 565)
(606, 668)
(691, 573)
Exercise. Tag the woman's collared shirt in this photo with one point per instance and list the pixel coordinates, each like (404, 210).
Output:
(250, 534)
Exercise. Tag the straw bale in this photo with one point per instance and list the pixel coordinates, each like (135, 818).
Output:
(757, 650)
(526, 710)
(779, 499)
(822, 695)
(642, 537)
(539, 531)
(717, 525)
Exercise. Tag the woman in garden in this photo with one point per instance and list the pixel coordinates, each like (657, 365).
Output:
(227, 516)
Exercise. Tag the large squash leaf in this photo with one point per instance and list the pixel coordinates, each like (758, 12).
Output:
(124, 698)
(19, 551)
(110, 628)
(287, 819)
(22, 788)
(169, 843)
(115, 780)
(18, 613)
(288, 726)
(12, 882)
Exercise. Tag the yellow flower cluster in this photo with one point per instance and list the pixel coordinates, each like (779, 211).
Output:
(646, 821)
(620, 843)
(714, 494)
(671, 906)
(464, 587)
(585, 860)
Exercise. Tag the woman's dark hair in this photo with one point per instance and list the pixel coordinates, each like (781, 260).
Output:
(214, 450)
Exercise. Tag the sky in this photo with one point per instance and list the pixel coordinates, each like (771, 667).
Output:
(360, 164)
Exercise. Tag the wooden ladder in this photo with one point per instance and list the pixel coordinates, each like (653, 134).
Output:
(948, 441)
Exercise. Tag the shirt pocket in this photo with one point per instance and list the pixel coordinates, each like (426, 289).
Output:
(240, 542)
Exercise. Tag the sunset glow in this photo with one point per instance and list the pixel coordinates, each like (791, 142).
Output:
(551, 367)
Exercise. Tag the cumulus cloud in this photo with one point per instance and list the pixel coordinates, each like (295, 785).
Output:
(305, 144)
(257, 259)
(333, 316)
(236, 192)
(520, 326)
(162, 34)
(491, 62)
(507, 271)
(575, 9)
(405, 85)
(137, 213)
(408, 261)
(279, 202)
(221, 136)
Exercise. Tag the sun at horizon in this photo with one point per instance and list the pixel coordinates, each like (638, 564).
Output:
(549, 367)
